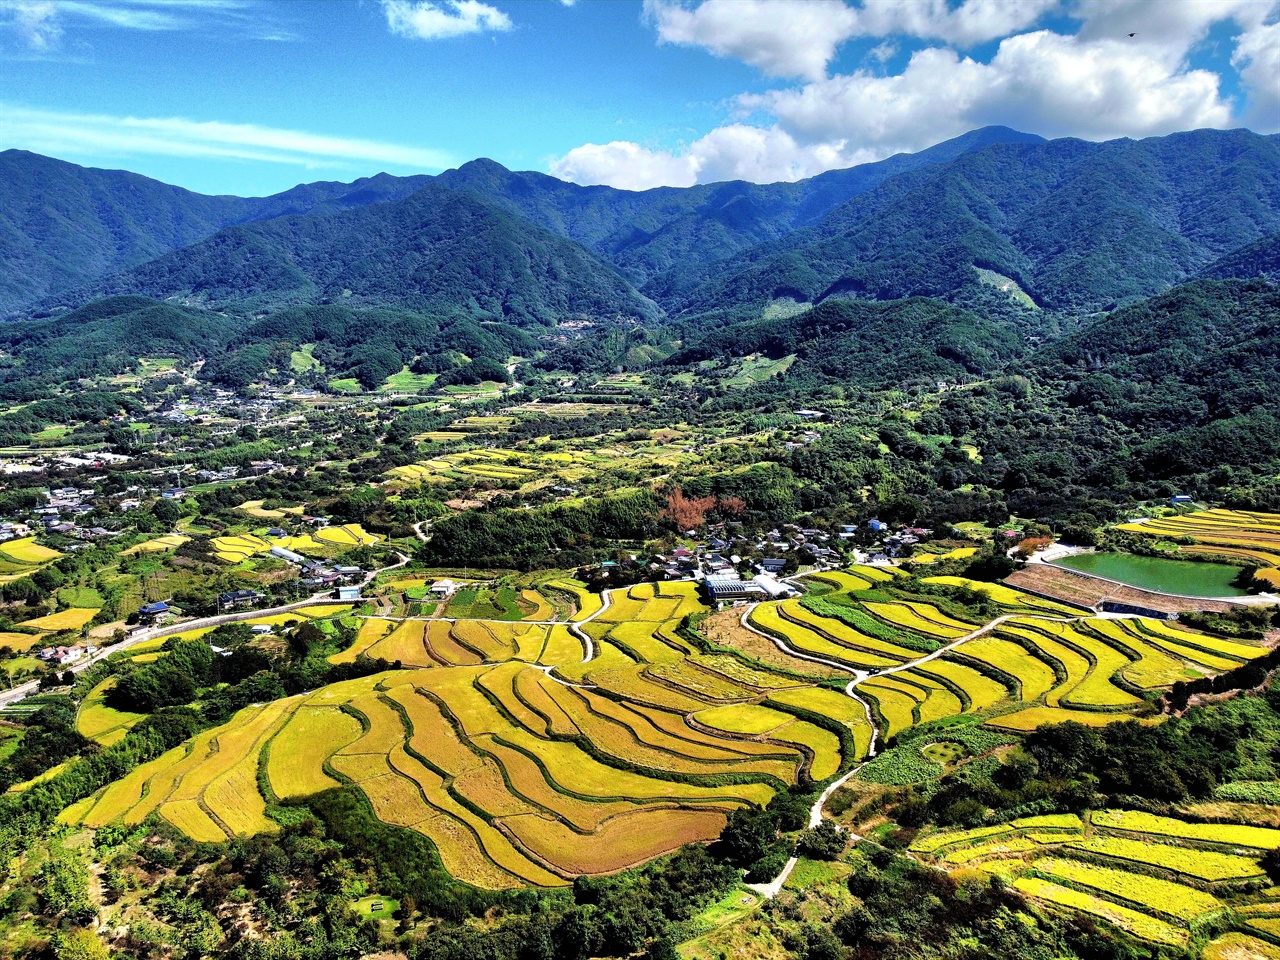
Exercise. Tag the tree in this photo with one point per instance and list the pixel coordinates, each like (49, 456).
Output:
(79, 944)
(824, 842)
(686, 513)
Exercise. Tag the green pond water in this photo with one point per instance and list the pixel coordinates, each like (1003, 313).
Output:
(1194, 578)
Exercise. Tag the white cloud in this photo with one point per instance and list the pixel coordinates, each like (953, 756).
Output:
(798, 38)
(40, 24)
(1257, 57)
(1097, 84)
(732, 152)
(425, 20)
(784, 38)
(1042, 82)
(34, 21)
(972, 22)
(78, 134)
(625, 165)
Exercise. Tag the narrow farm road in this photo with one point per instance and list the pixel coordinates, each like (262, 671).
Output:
(585, 637)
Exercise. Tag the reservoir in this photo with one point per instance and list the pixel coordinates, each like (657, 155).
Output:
(1194, 578)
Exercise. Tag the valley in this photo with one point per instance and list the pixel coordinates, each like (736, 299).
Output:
(483, 565)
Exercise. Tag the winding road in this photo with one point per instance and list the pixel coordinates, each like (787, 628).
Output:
(24, 690)
(772, 888)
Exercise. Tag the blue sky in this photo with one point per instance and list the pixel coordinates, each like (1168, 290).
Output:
(251, 97)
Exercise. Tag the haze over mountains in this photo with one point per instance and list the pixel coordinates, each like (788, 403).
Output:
(1079, 226)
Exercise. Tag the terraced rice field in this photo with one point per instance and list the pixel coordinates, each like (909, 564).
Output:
(26, 550)
(21, 642)
(101, 723)
(1007, 596)
(1157, 877)
(324, 542)
(170, 541)
(526, 765)
(1232, 535)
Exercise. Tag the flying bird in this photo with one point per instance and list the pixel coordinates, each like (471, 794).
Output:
(1132, 35)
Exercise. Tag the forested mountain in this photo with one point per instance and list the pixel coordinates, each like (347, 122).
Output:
(1258, 259)
(870, 345)
(439, 249)
(660, 238)
(1193, 372)
(1080, 226)
(63, 225)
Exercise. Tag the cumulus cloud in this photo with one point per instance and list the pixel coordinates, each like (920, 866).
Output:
(426, 20)
(1041, 81)
(625, 165)
(1097, 83)
(74, 134)
(1257, 57)
(783, 38)
(732, 152)
(798, 38)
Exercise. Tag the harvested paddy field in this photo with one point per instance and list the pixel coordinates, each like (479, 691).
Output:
(526, 765)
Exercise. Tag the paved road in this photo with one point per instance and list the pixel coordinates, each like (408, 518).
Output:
(770, 890)
(585, 637)
(24, 690)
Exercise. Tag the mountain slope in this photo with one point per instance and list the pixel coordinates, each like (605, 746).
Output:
(1079, 225)
(1258, 259)
(63, 225)
(437, 249)
(664, 239)
(870, 345)
(1192, 372)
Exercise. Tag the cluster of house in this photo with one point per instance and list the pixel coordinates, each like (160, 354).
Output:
(216, 403)
(59, 513)
(12, 530)
(64, 656)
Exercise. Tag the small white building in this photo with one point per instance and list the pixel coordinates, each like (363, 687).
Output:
(443, 589)
(772, 586)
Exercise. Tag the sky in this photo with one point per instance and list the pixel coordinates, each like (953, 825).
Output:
(251, 97)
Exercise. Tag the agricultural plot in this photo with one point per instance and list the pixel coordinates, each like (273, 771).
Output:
(587, 603)
(1231, 535)
(768, 617)
(21, 642)
(73, 619)
(921, 618)
(1152, 879)
(846, 582)
(1220, 834)
(1205, 865)
(170, 541)
(1164, 898)
(1087, 663)
(842, 633)
(27, 551)
(1024, 721)
(324, 542)
(1139, 924)
(526, 765)
(1007, 597)
(101, 723)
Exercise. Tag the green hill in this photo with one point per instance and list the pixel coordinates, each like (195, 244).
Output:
(63, 226)
(437, 250)
(1079, 226)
